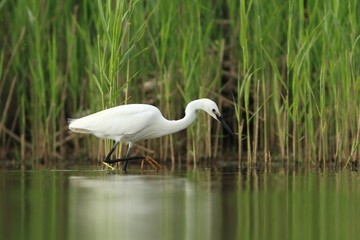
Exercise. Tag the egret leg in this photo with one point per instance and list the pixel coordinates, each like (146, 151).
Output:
(107, 158)
(147, 159)
(127, 156)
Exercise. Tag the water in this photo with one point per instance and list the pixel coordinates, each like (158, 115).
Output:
(216, 203)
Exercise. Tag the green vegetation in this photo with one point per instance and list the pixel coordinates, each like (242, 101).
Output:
(286, 76)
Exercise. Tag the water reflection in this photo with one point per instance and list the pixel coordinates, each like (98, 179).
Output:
(216, 203)
(141, 207)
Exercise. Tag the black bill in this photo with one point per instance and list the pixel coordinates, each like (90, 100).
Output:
(221, 120)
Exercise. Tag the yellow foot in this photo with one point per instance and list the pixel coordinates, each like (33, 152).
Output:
(152, 162)
(108, 165)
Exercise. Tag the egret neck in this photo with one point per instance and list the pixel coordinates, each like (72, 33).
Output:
(190, 116)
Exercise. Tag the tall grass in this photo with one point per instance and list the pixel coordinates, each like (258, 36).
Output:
(286, 76)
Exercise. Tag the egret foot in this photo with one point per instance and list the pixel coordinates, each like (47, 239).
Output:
(108, 165)
(156, 166)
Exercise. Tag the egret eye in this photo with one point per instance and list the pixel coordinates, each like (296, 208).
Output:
(213, 110)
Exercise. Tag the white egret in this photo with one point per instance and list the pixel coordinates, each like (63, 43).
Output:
(134, 122)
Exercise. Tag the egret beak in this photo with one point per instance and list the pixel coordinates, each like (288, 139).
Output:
(221, 120)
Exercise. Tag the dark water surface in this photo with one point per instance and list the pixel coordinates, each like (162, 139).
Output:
(216, 203)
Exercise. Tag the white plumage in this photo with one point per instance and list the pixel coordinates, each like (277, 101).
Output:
(135, 122)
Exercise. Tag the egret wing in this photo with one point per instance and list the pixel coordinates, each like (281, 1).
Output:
(116, 122)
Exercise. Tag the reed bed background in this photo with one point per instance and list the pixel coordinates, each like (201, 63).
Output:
(286, 76)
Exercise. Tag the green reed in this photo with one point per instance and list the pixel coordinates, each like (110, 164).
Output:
(286, 76)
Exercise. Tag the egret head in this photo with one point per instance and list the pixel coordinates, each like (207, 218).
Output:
(212, 109)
